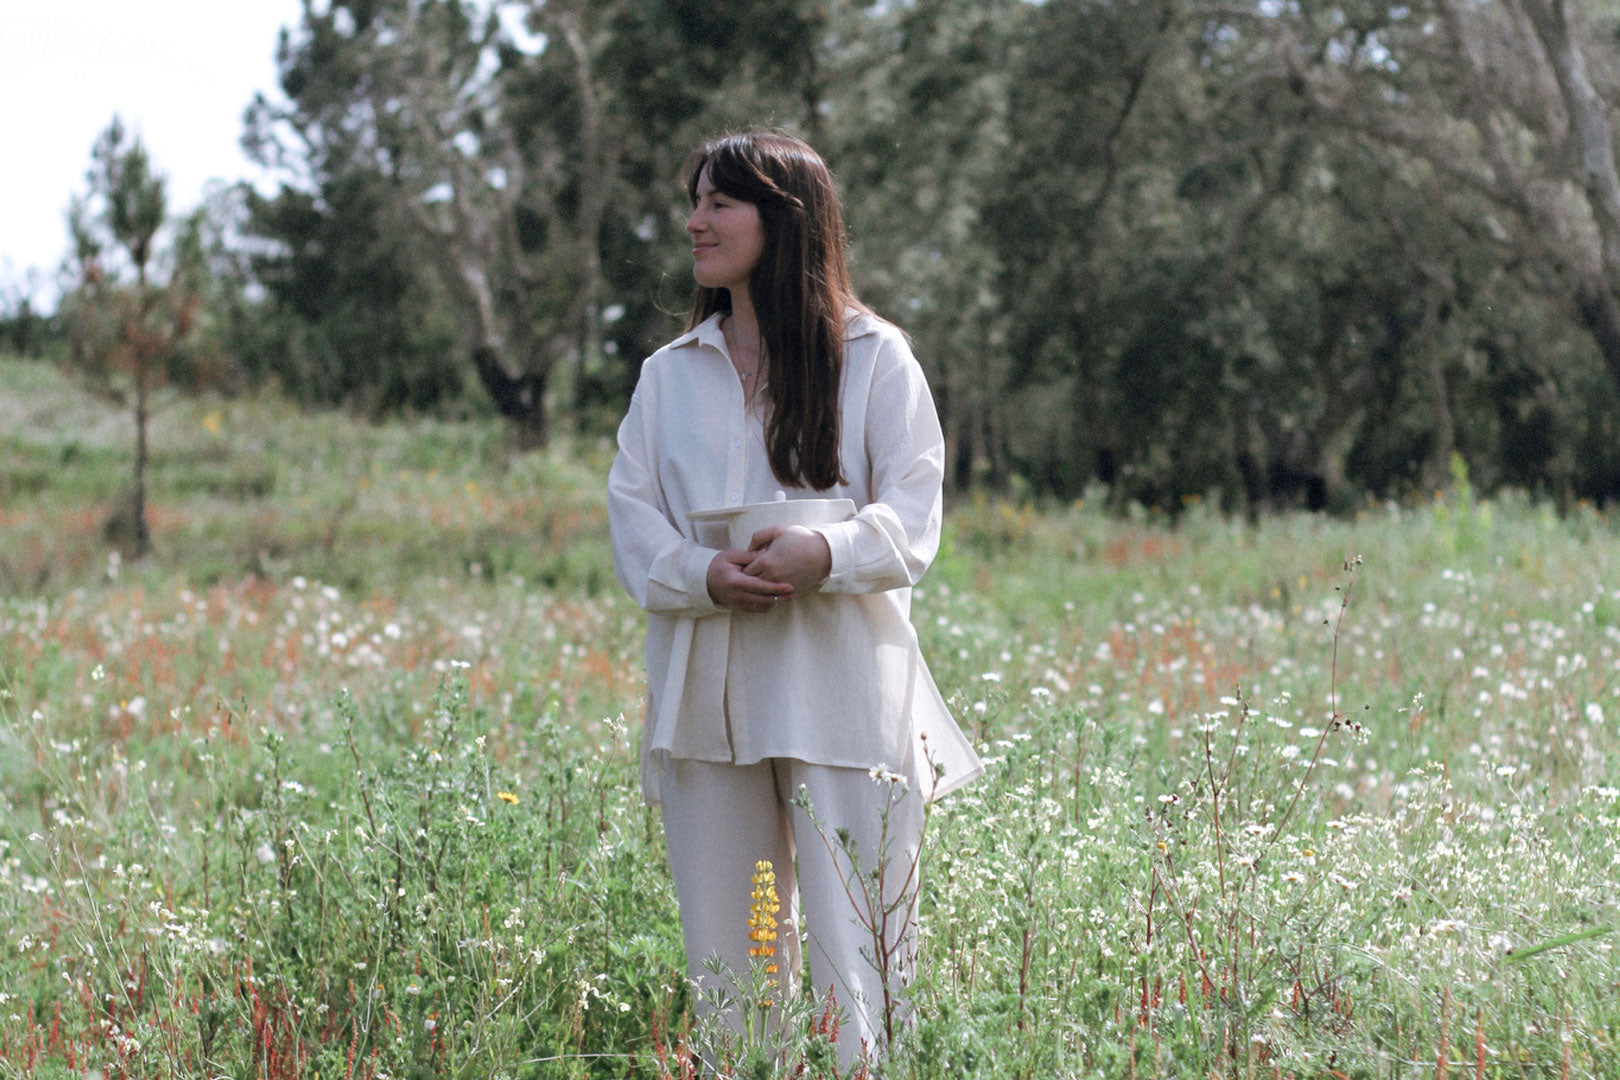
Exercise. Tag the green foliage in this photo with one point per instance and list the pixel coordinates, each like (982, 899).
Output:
(349, 319)
(1132, 247)
(127, 200)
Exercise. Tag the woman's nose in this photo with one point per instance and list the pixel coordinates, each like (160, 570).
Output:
(693, 222)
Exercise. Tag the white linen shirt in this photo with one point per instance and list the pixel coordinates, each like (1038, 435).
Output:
(834, 677)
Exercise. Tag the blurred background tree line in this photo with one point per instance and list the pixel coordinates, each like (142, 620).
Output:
(1266, 252)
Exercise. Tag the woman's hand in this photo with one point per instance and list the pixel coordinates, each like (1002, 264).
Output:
(792, 554)
(731, 587)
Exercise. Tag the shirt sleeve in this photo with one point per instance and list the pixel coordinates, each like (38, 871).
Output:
(890, 541)
(662, 570)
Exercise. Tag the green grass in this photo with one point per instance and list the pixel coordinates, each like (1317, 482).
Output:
(251, 820)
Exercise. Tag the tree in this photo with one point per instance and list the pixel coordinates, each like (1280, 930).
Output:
(919, 135)
(419, 104)
(22, 328)
(1281, 251)
(528, 152)
(1505, 103)
(127, 321)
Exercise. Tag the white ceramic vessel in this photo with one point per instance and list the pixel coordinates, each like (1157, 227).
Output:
(740, 523)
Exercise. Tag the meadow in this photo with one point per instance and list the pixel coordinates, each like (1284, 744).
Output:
(342, 781)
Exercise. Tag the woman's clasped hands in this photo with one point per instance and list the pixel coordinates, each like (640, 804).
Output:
(780, 563)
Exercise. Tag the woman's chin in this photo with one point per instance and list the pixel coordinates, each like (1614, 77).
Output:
(709, 280)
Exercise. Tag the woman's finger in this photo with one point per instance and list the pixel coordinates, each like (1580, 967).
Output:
(762, 575)
(754, 594)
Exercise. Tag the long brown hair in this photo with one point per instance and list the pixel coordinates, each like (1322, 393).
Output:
(800, 289)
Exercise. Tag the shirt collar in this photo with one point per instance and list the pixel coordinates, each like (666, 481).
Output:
(706, 332)
(859, 324)
(856, 324)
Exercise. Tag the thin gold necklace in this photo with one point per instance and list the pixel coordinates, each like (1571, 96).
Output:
(758, 349)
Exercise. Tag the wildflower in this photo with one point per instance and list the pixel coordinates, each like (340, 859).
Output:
(762, 909)
(507, 796)
(882, 774)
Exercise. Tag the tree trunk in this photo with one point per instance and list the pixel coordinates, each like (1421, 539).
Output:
(962, 453)
(1569, 111)
(992, 450)
(1438, 466)
(1597, 299)
(137, 506)
(141, 354)
(1599, 311)
(520, 398)
(1588, 125)
(598, 165)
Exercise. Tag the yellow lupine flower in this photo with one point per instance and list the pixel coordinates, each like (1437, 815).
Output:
(762, 909)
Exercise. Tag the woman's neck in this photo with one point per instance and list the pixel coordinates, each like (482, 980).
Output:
(744, 322)
(741, 329)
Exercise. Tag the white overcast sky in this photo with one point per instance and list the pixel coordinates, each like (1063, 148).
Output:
(180, 72)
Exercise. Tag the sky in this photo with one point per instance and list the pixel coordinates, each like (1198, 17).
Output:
(179, 72)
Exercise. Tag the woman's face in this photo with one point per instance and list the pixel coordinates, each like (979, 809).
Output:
(728, 238)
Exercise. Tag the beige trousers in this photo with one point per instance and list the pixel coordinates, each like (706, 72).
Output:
(719, 819)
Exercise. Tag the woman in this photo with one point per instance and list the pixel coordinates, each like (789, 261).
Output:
(789, 666)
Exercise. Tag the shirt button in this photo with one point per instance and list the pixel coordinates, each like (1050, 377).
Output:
(736, 496)
(736, 441)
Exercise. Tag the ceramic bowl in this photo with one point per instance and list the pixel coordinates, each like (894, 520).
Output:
(742, 522)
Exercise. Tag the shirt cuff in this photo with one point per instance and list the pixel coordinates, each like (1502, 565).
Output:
(840, 538)
(695, 573)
